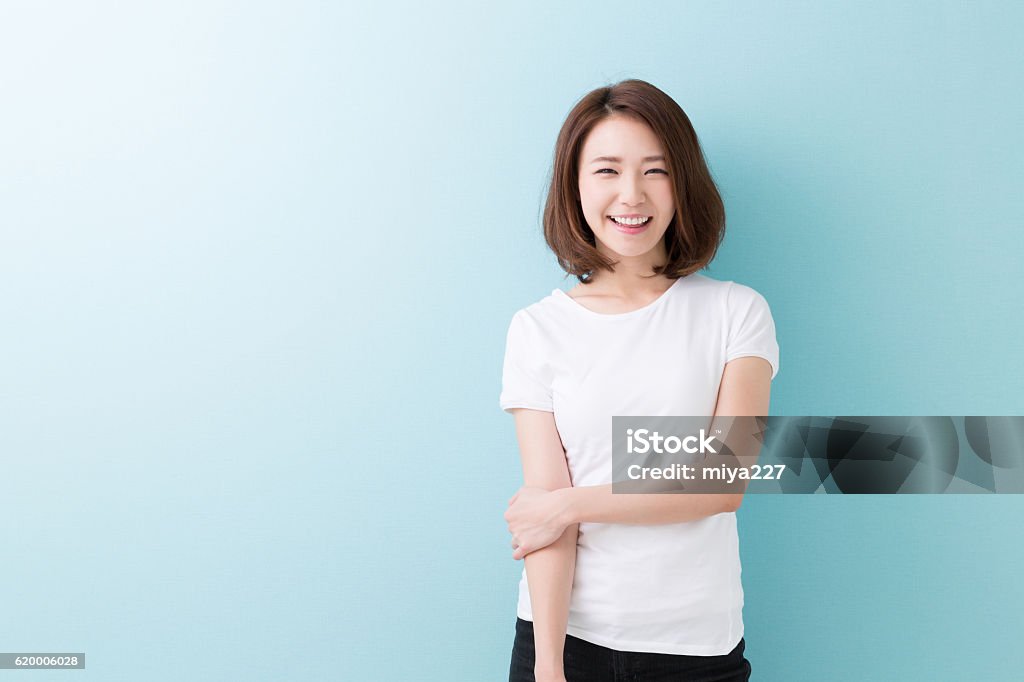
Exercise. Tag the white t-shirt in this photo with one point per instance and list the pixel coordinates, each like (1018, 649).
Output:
(670, 588)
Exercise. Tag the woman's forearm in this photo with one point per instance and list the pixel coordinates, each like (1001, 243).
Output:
(550, 572)
(597, 504)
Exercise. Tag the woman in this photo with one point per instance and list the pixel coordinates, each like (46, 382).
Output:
(638, 587)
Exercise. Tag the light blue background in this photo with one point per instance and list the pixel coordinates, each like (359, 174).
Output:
(257, 261)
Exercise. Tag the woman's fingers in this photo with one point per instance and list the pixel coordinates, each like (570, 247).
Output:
(518, 550)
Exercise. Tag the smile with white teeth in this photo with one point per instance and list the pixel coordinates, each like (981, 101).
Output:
(630, 221)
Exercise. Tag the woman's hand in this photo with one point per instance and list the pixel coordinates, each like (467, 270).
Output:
(535, 519)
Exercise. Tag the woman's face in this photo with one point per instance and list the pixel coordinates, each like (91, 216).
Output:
(623, 174)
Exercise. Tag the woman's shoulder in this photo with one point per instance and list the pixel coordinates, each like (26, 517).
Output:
(540, 309)
(728, 288)
(725, 298)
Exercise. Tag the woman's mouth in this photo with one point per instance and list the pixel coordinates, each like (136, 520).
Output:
(631, 225)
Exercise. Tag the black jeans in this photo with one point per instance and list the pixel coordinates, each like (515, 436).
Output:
(587, 662)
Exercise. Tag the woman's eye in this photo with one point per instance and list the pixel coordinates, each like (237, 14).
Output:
(655, 170)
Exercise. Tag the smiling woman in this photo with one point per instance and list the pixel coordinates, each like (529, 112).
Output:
(619, 145)
(647, 583)
(612, 187)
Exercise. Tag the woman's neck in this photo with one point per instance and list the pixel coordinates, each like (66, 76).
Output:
(633, 278)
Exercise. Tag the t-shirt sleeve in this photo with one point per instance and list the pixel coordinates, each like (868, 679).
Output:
(751, 327)
(524, 381)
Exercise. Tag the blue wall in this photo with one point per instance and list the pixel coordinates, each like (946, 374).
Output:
(257, 261)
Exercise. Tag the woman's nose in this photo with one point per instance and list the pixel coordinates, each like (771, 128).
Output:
(630, 192)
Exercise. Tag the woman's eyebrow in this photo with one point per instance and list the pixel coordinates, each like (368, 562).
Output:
(615, 159)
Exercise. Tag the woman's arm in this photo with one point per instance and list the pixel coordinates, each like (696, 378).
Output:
(744, 391)
(549, 570)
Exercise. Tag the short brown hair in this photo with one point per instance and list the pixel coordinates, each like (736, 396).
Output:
(698, 226)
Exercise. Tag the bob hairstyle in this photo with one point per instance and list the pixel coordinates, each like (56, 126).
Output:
(698, 225)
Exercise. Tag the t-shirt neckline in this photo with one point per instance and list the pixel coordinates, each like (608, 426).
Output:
(617, 316)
